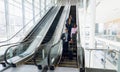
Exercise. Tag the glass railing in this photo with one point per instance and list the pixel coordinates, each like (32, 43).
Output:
(16, 52)
(105, 55)
(54, 54)
(80, 49)
(40, 56)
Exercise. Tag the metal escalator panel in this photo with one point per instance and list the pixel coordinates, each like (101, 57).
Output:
(53, 27)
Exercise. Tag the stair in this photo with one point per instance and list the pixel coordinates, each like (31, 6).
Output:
(66, 62)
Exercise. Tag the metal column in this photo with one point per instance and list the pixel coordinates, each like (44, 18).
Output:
(7, 18)
(23, 14)
(33, 8)
(40, 7)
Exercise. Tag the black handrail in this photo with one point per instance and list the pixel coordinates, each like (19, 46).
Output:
(50, 52)
(80, 58)
(5, 54)
(34, 58)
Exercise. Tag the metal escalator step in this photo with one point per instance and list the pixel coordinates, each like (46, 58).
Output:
(65, 65)
(69, 63)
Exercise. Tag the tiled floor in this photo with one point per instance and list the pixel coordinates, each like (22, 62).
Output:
(23, 68)
(1, 67)
(32, 68)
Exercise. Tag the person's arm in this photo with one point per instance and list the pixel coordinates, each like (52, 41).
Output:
(62, 36)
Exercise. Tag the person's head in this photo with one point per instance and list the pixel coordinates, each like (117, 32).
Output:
(74, 25)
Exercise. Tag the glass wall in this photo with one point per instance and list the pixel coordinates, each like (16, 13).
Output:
(2, 21)
(16, 15)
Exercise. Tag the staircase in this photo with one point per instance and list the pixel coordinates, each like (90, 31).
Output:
(69, 62)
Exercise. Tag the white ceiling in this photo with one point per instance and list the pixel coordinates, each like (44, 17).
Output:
(107, 10)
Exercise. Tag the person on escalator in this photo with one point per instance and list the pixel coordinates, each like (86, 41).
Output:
(73, 33)
(72, 20)
(73, 42)
(69, 27)
(65, 38)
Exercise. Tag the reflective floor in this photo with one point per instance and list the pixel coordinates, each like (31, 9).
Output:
(23, 68)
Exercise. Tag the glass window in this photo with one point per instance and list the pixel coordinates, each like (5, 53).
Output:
(28, 11)
(3, 35)
(42, 7)
(15, 17)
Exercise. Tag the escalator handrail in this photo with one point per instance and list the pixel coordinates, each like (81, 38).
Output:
(59, 40)
(50, 51)
(80, 58)
(5, 54)
(24, 27)
(17, 33)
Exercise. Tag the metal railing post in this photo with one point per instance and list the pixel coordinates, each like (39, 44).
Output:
(118, 69)
(90, 57)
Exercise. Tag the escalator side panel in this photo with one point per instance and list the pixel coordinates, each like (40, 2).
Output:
(73, 12)
(53, 27)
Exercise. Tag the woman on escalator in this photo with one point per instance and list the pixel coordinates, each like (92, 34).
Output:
(73, 42)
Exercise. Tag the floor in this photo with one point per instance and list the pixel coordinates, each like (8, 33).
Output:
(64, 69)
(23, 68)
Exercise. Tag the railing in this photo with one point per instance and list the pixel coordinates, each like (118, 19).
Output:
(15, 50)
(105, 55)
(40, 56)
(54, 53)
(80, 49)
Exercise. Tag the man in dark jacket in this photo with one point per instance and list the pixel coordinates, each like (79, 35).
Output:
(65, 39)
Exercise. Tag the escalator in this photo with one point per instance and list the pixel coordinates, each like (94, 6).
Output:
(47, 38)
(55, 58)
(41, 56)
(18, 53)
(66, 61)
